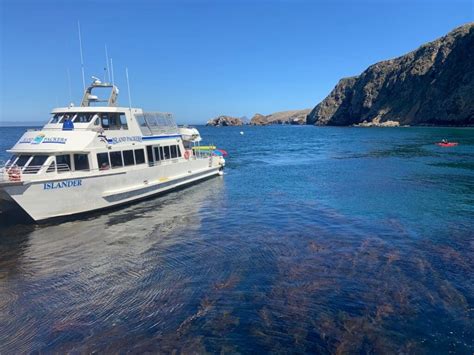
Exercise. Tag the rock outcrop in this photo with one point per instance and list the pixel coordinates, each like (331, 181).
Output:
(377, 123)
(433, 85)
(225, 121)
(295, 117)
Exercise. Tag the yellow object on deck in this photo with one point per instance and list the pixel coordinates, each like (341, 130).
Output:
(205, 147)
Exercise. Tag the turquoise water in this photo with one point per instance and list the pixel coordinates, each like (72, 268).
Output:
(317, 239)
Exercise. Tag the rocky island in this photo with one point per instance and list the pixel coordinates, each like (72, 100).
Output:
(433, 85)
(294, 117)
(222, 121)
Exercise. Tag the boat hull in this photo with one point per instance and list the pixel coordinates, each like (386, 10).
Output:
(43, 200)
(7, 204)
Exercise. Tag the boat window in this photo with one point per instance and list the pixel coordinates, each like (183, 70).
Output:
(156, 123)
(143, 125)
(56, 118)
(157, 154)
(178, 151)
(123, 121)
(22, 160)
(113, 121)
(51, 167)
(139, 156)
(105, 121)
(149, 154)
(152, 121)
(173, 151)
(162, 156)
(81, 162)
(103, 161)
(35, 164)
(63, 163)
(84, 117)
(116, 159)
(97, 121)
(128, 157)
(167, 152)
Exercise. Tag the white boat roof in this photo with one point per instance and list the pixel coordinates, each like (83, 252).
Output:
(94, 109)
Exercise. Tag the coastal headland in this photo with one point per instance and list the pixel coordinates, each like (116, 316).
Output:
(430, 86)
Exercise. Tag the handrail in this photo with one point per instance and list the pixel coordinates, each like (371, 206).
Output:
(15, 173)
(159, 162)
(63, 168)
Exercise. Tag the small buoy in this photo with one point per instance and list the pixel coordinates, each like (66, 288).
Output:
(242, 133)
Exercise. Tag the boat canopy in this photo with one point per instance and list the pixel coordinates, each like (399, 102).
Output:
(156, 123)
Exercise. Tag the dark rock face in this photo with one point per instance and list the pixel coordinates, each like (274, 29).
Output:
(225, 121)
(295, 117)
(433, 85)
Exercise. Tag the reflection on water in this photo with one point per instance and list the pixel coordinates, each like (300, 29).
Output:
(81, 271)
(359, 245)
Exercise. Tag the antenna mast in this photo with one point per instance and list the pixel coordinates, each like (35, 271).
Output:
(128, 85)
(69, 84)
(82, 58)
(112, 69)
(107, 63)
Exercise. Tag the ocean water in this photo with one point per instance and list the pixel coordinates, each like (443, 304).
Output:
(316, 239)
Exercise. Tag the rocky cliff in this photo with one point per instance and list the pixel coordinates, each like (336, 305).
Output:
(286, 117)
(433, 85)
(225, 121)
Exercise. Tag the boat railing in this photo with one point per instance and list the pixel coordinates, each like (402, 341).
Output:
(63, 168)
(15, 173)
(202, 154)
(173, 160)
(35, 169)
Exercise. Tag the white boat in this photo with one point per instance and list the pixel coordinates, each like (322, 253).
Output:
(99, 155)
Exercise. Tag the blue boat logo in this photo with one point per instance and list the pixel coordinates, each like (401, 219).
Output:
(38, 139)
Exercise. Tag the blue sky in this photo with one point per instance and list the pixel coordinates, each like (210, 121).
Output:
(199, 59)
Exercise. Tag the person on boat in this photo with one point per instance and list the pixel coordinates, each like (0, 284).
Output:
(104, 166)
(444, 141)
(67, 124)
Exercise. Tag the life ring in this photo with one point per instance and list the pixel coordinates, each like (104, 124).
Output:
(186, 154)
(14, 174)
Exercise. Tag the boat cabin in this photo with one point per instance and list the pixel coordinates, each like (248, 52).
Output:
(96, 138)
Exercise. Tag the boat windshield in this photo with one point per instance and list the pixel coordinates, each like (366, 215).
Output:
(76, 117)
(84, 117)
(62, 116)
(56, 117)
(108, 120)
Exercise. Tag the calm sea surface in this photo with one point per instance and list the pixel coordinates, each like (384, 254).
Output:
(315, 240)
